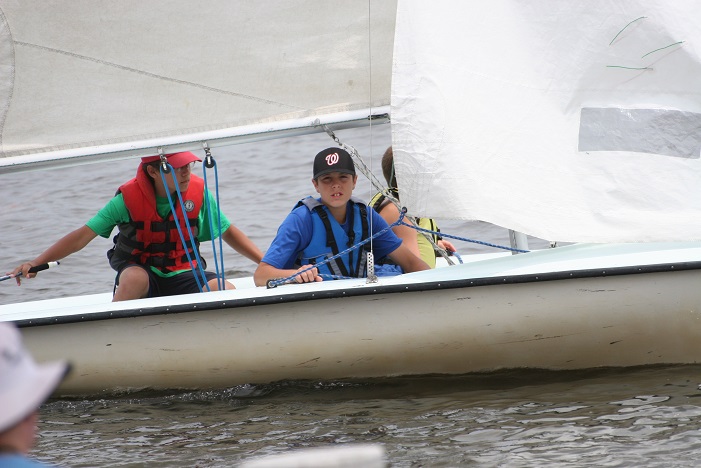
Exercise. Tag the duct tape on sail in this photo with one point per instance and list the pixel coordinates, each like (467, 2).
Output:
(655, 131)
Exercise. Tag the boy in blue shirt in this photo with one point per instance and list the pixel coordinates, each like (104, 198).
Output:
(321, 228)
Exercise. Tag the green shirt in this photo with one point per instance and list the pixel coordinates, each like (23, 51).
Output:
(115, 212)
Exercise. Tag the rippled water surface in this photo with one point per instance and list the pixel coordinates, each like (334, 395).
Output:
(644, 417)
(641, 417)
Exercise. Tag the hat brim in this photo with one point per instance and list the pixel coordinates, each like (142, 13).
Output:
(29, 391)
(176, 160)
(329, 171)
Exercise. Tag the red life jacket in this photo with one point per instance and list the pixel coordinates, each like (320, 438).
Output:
(148, 239)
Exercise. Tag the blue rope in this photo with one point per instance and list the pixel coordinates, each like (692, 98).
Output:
(220, 273)
(442, 234)
(335, 277)
(187, 223)
(279, 281)
(276, 282)
(219, 215)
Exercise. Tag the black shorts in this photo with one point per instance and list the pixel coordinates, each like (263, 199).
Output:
(182, 283)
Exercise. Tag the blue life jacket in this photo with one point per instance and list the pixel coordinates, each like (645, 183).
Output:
(329, 238)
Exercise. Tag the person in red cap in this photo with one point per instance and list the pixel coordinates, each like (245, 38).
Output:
(324, 227)
(152, 256)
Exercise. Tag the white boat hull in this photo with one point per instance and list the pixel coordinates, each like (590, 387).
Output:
(427, 323)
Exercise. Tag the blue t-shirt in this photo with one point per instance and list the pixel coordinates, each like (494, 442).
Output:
(12, 460)
(295, 234)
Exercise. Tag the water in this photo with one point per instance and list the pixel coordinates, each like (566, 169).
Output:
(639, 417)
(647, 417)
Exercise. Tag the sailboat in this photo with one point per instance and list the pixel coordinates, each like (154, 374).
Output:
(577, 123)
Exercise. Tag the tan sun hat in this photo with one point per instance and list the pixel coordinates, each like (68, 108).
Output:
(24, 384)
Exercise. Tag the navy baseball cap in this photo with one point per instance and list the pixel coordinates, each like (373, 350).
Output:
(333, 160)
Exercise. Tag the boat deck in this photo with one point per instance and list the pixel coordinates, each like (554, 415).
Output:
(570, 260)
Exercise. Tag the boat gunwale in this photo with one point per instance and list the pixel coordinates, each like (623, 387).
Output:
(196, 306)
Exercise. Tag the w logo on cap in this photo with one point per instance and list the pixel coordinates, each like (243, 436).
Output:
(332, 159)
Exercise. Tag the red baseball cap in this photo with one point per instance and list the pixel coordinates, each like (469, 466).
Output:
(174, 159)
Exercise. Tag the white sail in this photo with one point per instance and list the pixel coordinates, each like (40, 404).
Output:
(87, 77)
(569, 121)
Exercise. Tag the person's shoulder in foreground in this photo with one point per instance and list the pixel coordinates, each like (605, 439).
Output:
(24, 386)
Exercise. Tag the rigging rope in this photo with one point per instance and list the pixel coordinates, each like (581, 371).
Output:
(380, 187)
(165, 167)
(209, 162)
(465, 239)
(272, 283)
(278, 281)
